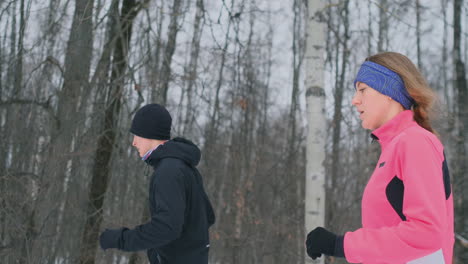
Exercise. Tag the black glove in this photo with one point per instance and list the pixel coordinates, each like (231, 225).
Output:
(111, 238)
(321, 241)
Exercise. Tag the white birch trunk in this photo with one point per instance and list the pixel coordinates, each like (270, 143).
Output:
(315, 100)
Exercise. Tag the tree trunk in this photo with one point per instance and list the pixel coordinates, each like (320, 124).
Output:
(76, 75)
(332, 193)
(459, 177)
(1, 85)
(315, 101)
(11, 61)
(369, 29)
(445, 58)
(19, 146)
(418, 34)
(383, 26)
(154, 75)
(212, 128)
(169, 50)
(297, 64)
(292, 158)
(191, 73)
(2, 164)
(19, 57)
(92, 97)
(106, 140)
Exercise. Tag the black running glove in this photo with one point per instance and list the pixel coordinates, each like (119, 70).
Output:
(321, 241)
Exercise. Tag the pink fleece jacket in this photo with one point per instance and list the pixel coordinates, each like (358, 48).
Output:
(407, 205)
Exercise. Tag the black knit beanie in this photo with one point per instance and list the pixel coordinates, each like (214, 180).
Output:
(152, 121)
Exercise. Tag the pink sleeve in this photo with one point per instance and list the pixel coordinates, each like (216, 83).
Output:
(419, 166)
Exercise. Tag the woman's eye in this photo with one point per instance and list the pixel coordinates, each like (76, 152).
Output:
(362, 90)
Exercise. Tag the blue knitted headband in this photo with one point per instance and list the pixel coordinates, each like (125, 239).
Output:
(384, 81)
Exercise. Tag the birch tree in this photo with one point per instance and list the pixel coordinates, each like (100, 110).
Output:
(315, 101)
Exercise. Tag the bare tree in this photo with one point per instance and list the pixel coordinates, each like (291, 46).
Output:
(106, 140)
(294, 143)
(460, 84)
(169, 52)
(315, 99)
(19, 56)
(444, 58)
(19, 173)
(383, 26)
(154, 61)
(211, 131)
(342, 44)
(191, 69)
(369, 28)
(418, 34)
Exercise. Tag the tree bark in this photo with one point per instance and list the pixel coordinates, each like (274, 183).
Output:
(418, 34)
(18, 146)
(1, 85)
(459, 177)
(76, 77)
(294, 182)
(369, 29)
(169, 50)
(315, 102)
(297, 64)
(19, 57)
(445, 57)
(383, 27)
(92, 97)
(154, 76)
(212, 127)
(11, 61)
(106, 140)
(332, 193)
(191, 73)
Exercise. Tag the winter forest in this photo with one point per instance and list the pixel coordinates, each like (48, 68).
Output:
(234, 74)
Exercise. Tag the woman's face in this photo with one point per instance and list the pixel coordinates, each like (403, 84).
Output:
(373, 107)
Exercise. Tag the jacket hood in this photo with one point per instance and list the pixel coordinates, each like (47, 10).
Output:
(179, 148)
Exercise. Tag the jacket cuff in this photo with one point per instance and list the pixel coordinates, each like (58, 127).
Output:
(339, 247)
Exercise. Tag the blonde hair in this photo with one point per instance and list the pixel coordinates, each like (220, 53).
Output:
(415, 84)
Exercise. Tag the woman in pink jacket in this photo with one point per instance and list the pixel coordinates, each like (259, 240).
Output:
(407, 205)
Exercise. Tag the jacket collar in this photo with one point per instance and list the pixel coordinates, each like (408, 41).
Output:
(178, 148)
(385, 133)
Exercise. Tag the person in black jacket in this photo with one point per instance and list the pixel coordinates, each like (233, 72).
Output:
(181, 212)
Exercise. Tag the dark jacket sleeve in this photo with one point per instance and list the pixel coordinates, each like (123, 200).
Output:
(167, 221)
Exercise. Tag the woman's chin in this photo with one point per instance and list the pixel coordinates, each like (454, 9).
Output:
(365, 125)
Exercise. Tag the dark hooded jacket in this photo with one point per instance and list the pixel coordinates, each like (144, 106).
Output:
(180, 210)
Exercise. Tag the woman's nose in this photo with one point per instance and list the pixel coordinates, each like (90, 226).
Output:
(355, 100)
